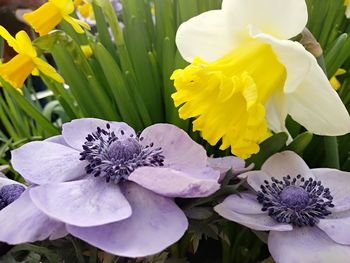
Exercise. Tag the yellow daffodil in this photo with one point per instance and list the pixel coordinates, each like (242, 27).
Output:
(50, 14)
(334, 81)
(26, 62)
(347, 5)
(84, 7)
(245, 76)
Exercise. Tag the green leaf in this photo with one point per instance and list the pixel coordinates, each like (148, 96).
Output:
(118, 87)
(31, 110)
(268, 147)
(299, 144)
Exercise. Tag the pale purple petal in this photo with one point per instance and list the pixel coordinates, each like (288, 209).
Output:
(178, 148)
(306, 244)
(59, 232)
(22, 222)
(286, 163)
(47, 162)
(339, 184)
(89, 202)
(156, 223)
(224, 164)
(337, 228)
(259, 221)
(255, 179)
(174, 183)
(243, 203)
(57, 139)
(75, 132)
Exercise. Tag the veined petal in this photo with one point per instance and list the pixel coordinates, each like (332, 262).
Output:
(156, 223)
(172, 183)
(22, 222)
(209, 35)
(17, 70)
(179, 150)
(47, 69)
(45, 18)
(47, 162)
(317, 106)
(282, 19)
(306, 244)
(88, 202)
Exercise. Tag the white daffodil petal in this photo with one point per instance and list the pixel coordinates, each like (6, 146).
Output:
(347, 11)
(291, 54)
(209, 35)
(316, 106)
(282, 19)
(276, 112)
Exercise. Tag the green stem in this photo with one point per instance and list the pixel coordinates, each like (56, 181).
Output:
(77, 248)
(93, 255)
(330, 142)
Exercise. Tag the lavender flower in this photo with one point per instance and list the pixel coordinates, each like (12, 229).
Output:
(21, 221)
(114, 188)
(307, 211)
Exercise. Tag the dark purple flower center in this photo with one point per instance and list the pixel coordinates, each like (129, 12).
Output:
(115, 158)
(9, 193)
(295, 201)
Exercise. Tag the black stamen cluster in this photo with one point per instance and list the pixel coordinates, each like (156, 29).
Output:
(9, 193)
(297, 201)
(115, 158)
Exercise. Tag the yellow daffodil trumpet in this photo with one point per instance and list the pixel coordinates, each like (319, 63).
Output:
(26, 62)
(224, 94)
(49, 15)
(246, 76)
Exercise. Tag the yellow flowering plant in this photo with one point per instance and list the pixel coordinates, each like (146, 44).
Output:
(238, 76)
(26, 62)
(246, 76)
(49, 15)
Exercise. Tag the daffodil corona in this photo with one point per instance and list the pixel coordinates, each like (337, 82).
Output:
(50, 14)
(229, 94)
(245, 76)
(26, 62)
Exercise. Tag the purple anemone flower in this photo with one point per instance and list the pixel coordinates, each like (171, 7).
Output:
(307, 211)
(114, 188)
(21, 221)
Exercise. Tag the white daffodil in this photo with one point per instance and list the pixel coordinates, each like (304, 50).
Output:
(246, 75)
(347, 11)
